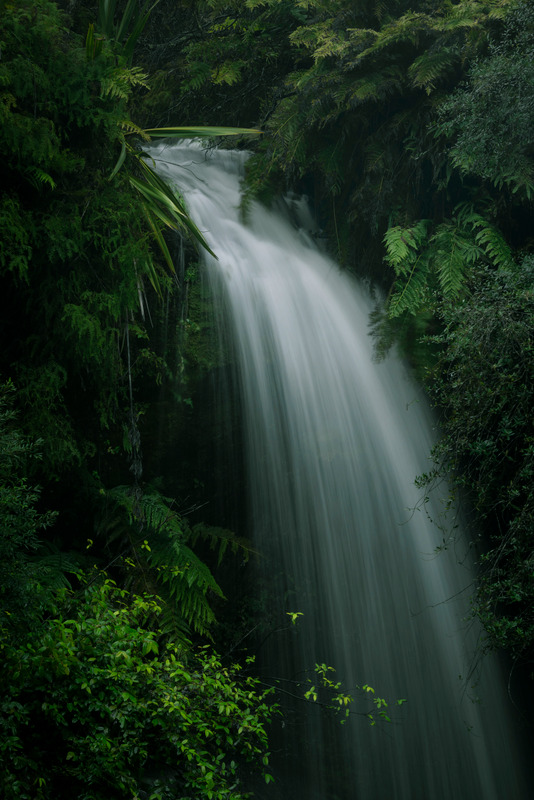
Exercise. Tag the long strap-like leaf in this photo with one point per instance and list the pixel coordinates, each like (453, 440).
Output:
(203, 132)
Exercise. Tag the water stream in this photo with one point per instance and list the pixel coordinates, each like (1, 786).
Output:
(333, 443)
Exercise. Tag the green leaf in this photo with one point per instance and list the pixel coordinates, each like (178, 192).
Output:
(120, 160)
(196, 132)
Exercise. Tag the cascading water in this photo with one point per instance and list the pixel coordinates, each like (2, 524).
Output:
(333, 444)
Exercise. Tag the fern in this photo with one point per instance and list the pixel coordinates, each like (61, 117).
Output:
(229, 72)
(449, 254)
(495, 246)
(518, 177)
(487, 236)
(407, 28)
(376, 86)
(128, 126)
(431, 67)
(403, 245)
(15, 242)
(403, 253)
(453, 249)
(38, 177)
(156, 536)
(320, 39)
(220, 539)
(92, 338)
(187, 579)
(472, 13)
(200, 74)
(119, 82)
(51, 566)
(413, 294)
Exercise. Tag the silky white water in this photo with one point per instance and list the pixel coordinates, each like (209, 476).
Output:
(333, 443)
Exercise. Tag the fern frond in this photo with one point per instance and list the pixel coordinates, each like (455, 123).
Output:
(403, 245)
(453, 250)
(229, 72)
(187, 579)
(38, 176)
(519, 177)
(486, 235)
(128, 126)
(319, 38)
(467, 14)
(431, 67)
(199, 75)
(407, 28)
(119, 82)
(157, 537)
(51, 566)
(412, 294)
(219, 540)
(493, 242)
(374, 87)
(405, 253)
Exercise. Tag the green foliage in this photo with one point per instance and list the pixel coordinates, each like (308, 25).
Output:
(125, 31)
(81, 211)
(439, 265)
(156, 547)
(232, 56)
(489, 118)
(403, 246)
(155, 544)
(340, 702)
(486, 391)
(15, 250)
(73, 257)
(323, 690)
(220, 540)
(151, 538)
(26, 572)
(366, 84)
(98, 706)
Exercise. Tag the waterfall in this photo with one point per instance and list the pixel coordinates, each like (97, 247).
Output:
(333, 443)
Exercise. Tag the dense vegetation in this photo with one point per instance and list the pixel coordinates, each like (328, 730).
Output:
(410, 127)
(93, 675)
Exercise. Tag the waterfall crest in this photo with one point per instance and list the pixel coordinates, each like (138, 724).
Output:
(333, 444)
